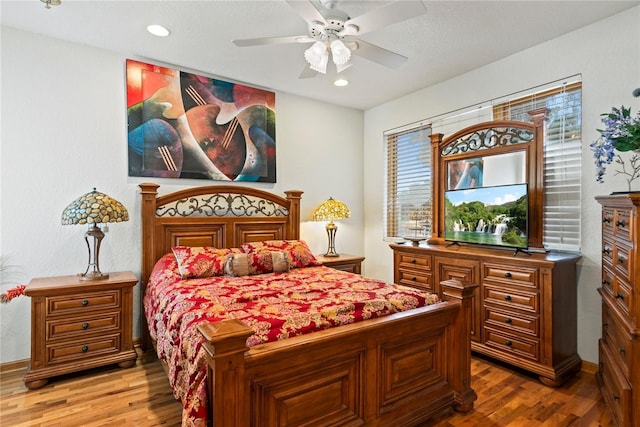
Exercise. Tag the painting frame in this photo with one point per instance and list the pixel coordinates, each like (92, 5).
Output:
(186, 125)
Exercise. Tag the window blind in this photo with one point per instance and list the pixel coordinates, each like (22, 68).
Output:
(408, 192)
(562, 159)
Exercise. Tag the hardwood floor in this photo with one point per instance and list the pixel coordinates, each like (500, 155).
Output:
(141, 397)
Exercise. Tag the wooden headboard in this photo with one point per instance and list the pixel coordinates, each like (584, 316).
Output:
(222, 216)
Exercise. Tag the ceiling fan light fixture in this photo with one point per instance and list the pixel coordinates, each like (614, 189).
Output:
(341, 68)
(317, 56)
(340, 53)
(341, 82)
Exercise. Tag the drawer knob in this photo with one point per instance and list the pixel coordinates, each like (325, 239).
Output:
(508, 343)
(507, 320)
(507, 274)
(85, 348)
(413, 261)
(606, 251)
(619, 296)
(621, 260)
(619, 223)
(507, 297)
(85, 302)
(606, 220)
(85, 325)
(414, 278)
(621, 351)
(606, 282)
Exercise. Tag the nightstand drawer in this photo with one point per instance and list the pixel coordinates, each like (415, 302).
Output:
(66, 352)
(82, 303)
(64, 328)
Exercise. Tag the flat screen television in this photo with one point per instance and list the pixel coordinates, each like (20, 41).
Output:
(496, 216)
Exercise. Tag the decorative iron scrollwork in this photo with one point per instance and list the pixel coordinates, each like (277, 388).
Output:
(223, 205)
(488, 138)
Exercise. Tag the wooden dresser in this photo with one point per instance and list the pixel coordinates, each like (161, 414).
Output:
(524, 309)
(619, 347)
(77, 325)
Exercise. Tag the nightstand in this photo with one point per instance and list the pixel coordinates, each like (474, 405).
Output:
(344, 262)
(78, 325)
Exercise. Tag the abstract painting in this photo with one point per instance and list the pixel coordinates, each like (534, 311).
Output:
(184, 125)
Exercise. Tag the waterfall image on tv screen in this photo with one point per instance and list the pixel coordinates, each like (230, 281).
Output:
(495, 216)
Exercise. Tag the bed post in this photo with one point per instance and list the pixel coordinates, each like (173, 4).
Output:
(149, 192)
(460, 366)
(294, 196)
(225, 347)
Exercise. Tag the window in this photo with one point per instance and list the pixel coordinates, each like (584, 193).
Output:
(562, 159)
(408, 186)
(408, 197)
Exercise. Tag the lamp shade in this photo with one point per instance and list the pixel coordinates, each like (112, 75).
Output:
(330, 210)
(94, 208)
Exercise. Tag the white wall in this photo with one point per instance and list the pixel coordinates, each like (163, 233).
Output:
(64, 132)
(606, 54)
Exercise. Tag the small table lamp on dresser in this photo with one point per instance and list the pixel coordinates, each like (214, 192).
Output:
(330, 210)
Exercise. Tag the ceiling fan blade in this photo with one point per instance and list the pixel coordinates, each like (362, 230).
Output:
(262, 41)
(378, 54)
(307, 73)
(307, 10)
(388, 14)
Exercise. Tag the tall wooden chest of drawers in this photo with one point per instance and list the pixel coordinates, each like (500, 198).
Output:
(619, 347)
(77, 325)
(524, 311)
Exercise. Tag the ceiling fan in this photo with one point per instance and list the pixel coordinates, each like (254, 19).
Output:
(334, 33)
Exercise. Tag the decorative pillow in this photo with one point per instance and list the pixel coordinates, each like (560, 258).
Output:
(297, 251)
(256, 263)
(198, 262)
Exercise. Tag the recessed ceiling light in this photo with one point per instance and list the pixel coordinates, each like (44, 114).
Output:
(341, 82)
(158, 30)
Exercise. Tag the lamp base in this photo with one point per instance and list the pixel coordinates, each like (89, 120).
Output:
(331, 254)
(94, 275)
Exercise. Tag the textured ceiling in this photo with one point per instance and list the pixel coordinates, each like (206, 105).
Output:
(453, 37)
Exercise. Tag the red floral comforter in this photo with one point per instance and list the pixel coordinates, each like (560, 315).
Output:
(274, 305)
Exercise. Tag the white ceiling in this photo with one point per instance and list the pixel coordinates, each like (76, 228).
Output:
(452, 38)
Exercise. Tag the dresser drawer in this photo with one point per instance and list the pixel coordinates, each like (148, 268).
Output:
(618, 340)
(512, 344)
(622, 295)
(608, 215)
(414, 261)
(510, 275)
(82, 327)
(622, 257)
(82, 303)
(616, 391)
(77, 349)
(607, 252)
(416, 279)
(512, 298)
(512, 322)
(622, 225)
(608, 280)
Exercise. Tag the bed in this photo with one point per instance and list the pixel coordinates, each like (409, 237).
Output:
(397, 369)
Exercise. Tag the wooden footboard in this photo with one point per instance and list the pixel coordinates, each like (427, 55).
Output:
(396, 370)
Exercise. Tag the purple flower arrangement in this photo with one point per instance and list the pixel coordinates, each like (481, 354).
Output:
(621, 133)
